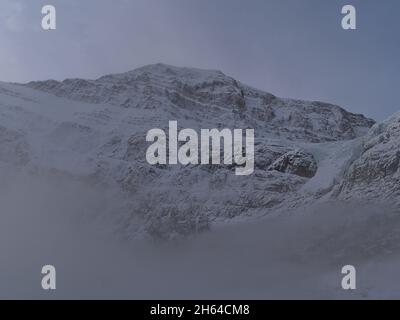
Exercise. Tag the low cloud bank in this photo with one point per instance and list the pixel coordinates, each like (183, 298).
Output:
(64, 222)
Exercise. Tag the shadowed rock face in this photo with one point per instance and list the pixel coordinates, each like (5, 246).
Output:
(296, 162)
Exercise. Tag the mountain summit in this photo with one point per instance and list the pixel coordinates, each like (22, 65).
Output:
(208, 96)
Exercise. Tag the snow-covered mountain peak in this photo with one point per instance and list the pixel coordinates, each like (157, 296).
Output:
(211, 99)
(183, 73)
(94, 130)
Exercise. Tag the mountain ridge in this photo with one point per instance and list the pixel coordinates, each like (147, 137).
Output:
(186, 90)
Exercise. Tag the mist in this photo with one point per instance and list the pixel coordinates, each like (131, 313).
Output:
(62, 221)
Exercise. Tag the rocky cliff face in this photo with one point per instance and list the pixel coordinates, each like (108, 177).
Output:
(375, 174)
(95, 130)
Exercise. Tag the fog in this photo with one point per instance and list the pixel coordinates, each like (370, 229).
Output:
(58, 220)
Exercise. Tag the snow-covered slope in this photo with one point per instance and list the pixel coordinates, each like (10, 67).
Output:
(94, 130)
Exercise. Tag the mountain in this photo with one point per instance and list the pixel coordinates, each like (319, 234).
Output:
(94, 131)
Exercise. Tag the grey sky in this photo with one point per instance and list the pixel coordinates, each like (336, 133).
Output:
(292, 48)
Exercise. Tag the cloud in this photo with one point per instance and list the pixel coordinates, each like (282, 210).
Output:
(12, 15)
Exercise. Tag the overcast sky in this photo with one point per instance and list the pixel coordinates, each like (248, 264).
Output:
(292, 48)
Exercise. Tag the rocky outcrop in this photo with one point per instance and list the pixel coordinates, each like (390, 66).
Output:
(297, 162)
(375, 174)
